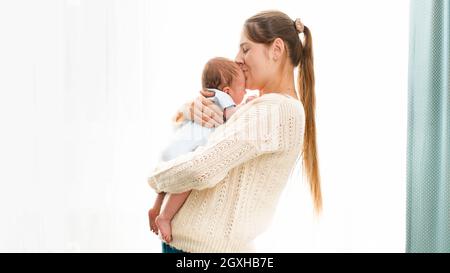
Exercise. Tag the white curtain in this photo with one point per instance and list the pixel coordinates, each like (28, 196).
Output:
(77, 125)
(87, 90)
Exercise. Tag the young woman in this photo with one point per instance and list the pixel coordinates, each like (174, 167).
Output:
(237, 178)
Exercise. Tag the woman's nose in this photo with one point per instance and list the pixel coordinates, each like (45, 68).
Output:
(238, 59)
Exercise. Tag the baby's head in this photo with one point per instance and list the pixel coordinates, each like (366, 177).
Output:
(225, 75)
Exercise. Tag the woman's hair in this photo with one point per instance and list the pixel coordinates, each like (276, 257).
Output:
(219, 73)
(264, 28)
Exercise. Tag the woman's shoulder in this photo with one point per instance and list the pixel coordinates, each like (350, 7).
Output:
(270, 105)
(284, 102)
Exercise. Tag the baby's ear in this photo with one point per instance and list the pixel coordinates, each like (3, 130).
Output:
(227, 90)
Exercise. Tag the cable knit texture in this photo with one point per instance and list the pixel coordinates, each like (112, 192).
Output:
(236, 178)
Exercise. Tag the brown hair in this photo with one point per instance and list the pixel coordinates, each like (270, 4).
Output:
(219, 73)
(264, 28)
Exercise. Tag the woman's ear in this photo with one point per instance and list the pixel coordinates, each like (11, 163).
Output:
(277, 49)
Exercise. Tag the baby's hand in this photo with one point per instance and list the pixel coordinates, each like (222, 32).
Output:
(250, 98)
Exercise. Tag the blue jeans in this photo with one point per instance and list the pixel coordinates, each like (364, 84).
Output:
(169, 249)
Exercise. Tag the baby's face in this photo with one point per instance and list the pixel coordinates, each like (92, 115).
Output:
(237, 87)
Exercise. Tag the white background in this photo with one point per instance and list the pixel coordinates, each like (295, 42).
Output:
(87, 90)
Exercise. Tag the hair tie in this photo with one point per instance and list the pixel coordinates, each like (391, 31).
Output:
(299, 25)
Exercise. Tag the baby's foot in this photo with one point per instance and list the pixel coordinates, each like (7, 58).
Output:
(163, 224)
(152, 214)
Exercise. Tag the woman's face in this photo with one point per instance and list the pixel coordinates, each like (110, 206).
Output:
(254, 60)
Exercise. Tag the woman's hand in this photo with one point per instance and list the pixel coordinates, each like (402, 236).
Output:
(203, 111)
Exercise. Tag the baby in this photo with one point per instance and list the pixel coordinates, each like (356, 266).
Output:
(227, 81)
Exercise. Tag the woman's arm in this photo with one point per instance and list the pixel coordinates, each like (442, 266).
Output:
(253, 133)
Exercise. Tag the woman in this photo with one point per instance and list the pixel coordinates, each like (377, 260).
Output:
(237, 178)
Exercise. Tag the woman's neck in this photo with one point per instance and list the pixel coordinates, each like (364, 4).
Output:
(283, 84)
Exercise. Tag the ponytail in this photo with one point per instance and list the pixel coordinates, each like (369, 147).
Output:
(307, 96)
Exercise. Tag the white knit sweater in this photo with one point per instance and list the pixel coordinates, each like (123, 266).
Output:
(236, 178)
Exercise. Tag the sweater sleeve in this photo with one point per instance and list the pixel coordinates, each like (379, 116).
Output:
(254, 132)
